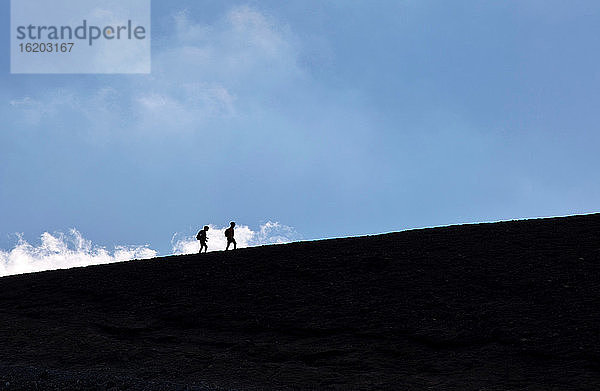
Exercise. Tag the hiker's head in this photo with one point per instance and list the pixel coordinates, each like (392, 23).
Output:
(206, 227)
(232, 223)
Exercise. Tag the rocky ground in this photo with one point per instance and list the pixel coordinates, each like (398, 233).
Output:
(511, 305)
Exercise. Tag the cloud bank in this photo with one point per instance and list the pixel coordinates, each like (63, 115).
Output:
(62, 251)
(67, 250)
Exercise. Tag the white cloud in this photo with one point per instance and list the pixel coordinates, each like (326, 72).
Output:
(268, 233)
(62, 251)
(274, 233)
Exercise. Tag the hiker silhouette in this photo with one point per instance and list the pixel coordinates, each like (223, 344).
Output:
(202, 238)
(229, 235)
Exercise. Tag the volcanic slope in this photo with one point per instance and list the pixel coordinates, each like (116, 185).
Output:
(497, 306)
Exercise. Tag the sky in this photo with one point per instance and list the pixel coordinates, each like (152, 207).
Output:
(304, 120)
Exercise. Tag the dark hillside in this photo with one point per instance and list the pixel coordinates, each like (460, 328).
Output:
(511, 305)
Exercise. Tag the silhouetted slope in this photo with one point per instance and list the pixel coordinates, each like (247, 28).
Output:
(511, 305)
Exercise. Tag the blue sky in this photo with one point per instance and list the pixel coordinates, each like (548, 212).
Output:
(331, 118)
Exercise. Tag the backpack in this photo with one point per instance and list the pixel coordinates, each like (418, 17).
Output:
(228, 233)
(199, 235)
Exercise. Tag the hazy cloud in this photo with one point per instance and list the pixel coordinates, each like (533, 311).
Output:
(198, 75)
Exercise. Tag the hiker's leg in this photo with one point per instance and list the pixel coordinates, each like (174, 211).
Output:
(234, 244)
